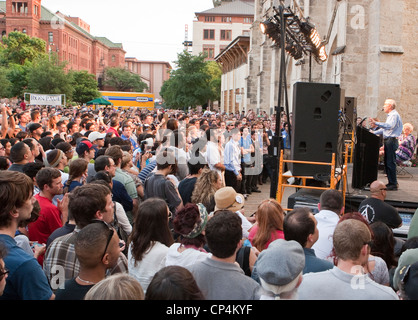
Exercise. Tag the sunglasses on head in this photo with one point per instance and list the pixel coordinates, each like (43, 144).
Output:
(109, 238)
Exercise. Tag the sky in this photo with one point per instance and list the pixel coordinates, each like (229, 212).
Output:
(151, 30)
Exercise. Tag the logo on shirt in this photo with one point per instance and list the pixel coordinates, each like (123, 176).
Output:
(368, 213)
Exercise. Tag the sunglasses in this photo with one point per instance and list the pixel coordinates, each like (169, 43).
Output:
(109, 238)
(3, 273)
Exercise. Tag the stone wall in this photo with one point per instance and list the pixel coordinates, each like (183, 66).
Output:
(378, 61)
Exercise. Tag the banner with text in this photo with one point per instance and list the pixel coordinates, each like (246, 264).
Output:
(45, 99)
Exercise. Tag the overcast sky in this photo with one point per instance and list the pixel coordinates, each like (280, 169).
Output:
(148, 29)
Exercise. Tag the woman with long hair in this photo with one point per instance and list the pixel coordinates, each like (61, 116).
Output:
(77, 174)
(269, 224)
(149, 241)
(204, 190)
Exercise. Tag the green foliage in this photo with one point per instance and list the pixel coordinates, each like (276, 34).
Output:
(47, 76)
(4, 83)
(123, 80)
(84, 86)
(190, 84)
(18, 78)
(215, 72)
(19, 48)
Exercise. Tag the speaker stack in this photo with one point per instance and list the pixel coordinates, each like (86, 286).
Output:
(315, 126)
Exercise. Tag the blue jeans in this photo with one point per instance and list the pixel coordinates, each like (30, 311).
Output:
(390, 146)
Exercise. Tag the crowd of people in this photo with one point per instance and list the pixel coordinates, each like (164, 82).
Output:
(107, 204)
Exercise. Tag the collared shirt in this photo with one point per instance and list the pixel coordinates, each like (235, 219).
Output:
(127, 181)
(133, 142)
(232, 157)
(393, 126)
(61, 263)
(245, 143)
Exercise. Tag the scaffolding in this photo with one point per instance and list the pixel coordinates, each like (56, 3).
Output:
(337, 175)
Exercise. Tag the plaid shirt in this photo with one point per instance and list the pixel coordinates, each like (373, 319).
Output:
(61, 263)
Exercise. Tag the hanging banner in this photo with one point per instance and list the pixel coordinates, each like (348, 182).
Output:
(45, 99)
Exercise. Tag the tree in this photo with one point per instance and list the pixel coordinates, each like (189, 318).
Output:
(84, 85)
(4, 83)
(123, 80)
(189, 84)
(19, 47)
(47, 76)
(215, 73)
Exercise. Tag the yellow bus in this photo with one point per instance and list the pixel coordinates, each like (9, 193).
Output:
(130, 99)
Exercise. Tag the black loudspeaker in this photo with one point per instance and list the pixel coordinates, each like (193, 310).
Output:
(314, 126)
(366, 158)
(350, 111)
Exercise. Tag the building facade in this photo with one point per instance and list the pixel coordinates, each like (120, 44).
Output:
(153, 73)
(214, 29)
(70, 38)
(370, 56)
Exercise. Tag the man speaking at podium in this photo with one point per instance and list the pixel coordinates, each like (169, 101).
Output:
(391, 130)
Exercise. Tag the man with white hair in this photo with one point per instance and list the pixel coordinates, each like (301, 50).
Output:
(391, 130)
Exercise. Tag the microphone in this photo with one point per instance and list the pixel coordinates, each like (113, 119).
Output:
(362, 121)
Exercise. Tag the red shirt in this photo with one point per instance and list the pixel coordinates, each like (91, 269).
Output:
(276, 234)
(49, 220)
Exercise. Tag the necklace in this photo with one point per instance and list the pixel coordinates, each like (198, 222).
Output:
(85, 281)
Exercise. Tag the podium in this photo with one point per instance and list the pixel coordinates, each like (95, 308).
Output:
(366, 158)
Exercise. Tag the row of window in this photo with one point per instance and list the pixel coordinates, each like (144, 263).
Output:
(226, 19)
(209, 34)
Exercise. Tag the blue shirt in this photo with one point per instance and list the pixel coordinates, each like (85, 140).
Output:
(246, 144)
(393, 126)
(232, 157)
(134, 144)
(26, 279)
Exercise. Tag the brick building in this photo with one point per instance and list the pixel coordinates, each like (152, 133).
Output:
(70, 38)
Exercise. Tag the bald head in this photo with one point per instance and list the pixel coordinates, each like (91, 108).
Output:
(378, 189)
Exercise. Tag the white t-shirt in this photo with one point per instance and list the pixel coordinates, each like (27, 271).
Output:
(152, 262)
(185, 258)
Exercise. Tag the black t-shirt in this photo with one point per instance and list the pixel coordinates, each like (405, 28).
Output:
(377, 210)
(72, 291)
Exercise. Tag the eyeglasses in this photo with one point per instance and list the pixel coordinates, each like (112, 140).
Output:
(109, 238)
(3, 273)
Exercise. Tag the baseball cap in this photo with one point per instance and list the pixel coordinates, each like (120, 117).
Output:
(93, 136)
(34, 126)
(408, 257)
(83, 146)
(281, 262)
(228, 198)
(408, 280)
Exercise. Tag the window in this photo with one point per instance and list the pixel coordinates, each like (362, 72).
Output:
(248, 20)
(209, 34)
(226, 34)
(226, 19)
(113, 58)
(209, 51)
(24, 31)
(50, 37)
(209, 19)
